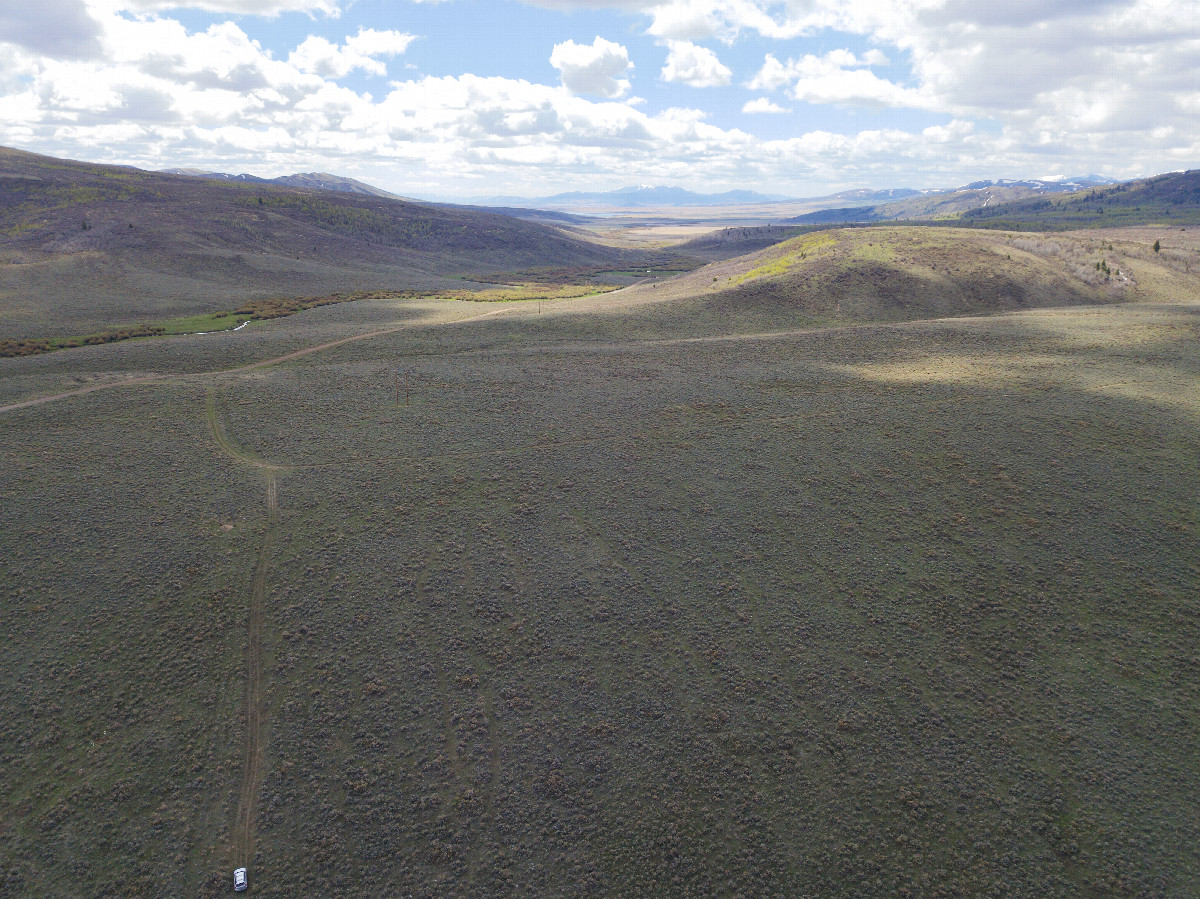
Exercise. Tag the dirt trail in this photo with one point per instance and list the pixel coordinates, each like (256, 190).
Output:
(254, 710)
(295, 354)
(598, 346)
(107, 385)
(231, 448)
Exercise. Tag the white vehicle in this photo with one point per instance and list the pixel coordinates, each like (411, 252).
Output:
(239, 880)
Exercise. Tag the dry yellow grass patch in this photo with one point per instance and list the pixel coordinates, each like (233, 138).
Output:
(1119, 342)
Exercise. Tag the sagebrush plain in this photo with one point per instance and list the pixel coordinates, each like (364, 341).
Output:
(783, 577)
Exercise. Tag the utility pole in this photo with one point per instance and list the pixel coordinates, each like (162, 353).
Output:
(406, 386)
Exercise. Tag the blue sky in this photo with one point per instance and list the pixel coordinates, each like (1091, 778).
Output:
(479, 97)
(463, 36)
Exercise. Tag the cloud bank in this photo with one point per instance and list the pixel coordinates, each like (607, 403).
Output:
(1023, 87)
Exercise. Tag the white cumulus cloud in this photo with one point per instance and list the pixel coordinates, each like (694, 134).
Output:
(837, 78)
(597, 69)
(322, 57)
(696, 66)
(763, 105)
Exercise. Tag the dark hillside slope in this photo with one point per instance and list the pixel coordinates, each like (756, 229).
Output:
(847, 215)
(86, 245)
(731, 242)
(1172, 199)
(949, 204)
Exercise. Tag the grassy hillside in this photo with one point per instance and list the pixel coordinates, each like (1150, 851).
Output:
(88, 246)
(893, 273)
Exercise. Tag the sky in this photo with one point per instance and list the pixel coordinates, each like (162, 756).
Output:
(477, 98)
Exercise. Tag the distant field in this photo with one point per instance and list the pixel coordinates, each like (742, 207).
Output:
(670, 591)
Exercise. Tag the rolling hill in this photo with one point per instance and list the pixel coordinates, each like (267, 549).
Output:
(728, 243)
(944, 204)
(905, 272)
(84, 246)
(1170, 199)
(314, 180)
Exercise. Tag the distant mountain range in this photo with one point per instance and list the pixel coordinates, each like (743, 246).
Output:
(856, 205)
(930, 204)
(1170, 199)
(876, 196)
(637, 197)
(1065, 185)
(624, 198)
(677, 197)
(314, 180)
(647, 196)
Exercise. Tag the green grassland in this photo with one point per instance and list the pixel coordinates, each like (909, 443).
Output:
(709, 587)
